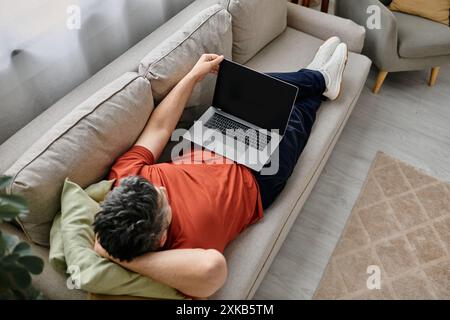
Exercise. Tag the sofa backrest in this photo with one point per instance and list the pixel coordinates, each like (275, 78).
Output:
(255, 24)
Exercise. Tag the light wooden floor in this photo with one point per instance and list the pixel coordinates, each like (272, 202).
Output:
(407, 120)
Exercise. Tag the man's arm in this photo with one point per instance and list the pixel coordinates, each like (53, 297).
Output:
(194, 272)
(165, 117)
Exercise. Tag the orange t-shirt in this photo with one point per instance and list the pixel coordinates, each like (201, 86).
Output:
(212, 199)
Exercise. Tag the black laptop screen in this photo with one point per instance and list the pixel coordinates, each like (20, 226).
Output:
(254, 97)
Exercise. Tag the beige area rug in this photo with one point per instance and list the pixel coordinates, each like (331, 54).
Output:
(396, 244)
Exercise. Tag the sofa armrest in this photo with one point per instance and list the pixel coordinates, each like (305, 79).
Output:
(323, 26)
(380, 44)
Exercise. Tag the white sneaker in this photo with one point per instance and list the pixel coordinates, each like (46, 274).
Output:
(333, 70)
(324, 53)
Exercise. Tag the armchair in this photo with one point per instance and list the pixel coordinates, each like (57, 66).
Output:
(402, 43)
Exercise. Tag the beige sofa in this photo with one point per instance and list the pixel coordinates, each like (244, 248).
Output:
(251, 254)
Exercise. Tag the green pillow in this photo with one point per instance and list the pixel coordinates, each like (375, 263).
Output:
(96, 191)
(71, 244)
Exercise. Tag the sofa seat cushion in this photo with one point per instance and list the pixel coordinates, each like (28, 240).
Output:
(209, 31)
(255, 24)
(419, 37)
(250, 254)
(81, 146)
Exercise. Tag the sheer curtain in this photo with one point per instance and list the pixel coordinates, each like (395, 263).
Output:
(48, 47)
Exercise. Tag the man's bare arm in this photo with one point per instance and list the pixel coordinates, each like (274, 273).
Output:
(194, 272)
(165, 117)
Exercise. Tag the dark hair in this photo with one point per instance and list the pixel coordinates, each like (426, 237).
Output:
(130, 222)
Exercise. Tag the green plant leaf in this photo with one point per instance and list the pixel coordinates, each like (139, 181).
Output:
(34, 264)
(32, 293)
(7, 295)
(10, 241)
(16, 201)
(12, 206)
(4, 181)
(8, 262)
(22, 249)
(19, 294)
(21, 276)
(5, 280)
(16, 261)
(8, 212)
(2, 245)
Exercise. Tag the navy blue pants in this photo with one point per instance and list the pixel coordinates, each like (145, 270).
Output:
(311, 86)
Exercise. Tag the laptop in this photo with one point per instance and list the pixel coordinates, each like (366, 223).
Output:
(248, 116)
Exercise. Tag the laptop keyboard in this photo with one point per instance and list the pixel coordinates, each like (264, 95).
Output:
(245, 135)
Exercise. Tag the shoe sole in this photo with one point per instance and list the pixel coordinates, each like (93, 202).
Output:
(340, 78)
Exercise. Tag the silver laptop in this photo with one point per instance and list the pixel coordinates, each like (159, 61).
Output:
(248, 116)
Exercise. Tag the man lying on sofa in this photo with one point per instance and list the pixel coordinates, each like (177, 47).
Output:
(172, 222)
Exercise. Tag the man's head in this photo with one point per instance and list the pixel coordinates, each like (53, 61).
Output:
(133, 219)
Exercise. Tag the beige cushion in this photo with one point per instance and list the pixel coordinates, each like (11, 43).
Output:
(208, 32)
(250, 254)
(82, 146)
(436, 10)
(255, 24)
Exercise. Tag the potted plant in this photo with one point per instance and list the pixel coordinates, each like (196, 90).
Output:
(16, 261)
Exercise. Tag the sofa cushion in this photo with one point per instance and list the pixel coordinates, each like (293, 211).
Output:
(56, 257)
(96, 274)
(420, 38)
(250, 254)
(82, 146)
(208, 32)
(255, 24)
(435, 10)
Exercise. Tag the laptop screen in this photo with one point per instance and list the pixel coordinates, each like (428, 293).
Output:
(253, 96)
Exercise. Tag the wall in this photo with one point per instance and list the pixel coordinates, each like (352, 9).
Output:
(42, 59)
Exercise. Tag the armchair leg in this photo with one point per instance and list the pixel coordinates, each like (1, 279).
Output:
(379, 82)
(433, 76)
(324, 6)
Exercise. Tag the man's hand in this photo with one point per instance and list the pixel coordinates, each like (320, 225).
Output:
(208, 63)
